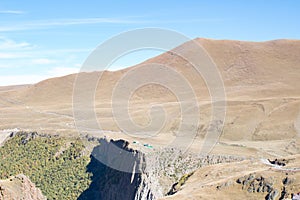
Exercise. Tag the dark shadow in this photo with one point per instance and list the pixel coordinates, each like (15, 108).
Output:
(108, 183)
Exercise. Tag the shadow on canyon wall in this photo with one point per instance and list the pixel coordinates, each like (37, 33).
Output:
(111, 183)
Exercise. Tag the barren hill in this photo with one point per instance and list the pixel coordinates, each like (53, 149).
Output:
(260, 78)
(262, 114)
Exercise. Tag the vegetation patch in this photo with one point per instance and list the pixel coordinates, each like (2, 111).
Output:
(58, 170)
(176, 187)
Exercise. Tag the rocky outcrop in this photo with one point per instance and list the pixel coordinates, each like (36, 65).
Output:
(287, 181)
(173, 167)
(116, 173)
(253, 183)
(279, 162)
(21, 188)
(259, 184)
(120, 172)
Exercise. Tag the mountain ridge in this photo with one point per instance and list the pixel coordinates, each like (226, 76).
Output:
(259, 78)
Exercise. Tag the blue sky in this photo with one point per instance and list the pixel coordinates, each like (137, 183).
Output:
(42, 39)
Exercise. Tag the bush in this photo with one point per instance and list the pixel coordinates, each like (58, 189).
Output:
(58, 169)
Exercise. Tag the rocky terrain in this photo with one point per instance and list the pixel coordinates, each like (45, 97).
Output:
(249, 179)
(111, 170)
(166, 168)
(21, 188)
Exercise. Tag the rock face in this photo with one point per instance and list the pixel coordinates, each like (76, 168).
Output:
(279, 162)
(259, 184)
(253, 183)
(117, 173)
(21, 188)
(168, 169)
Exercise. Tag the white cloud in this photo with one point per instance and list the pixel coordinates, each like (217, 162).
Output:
(16, 55)
(10, 49)
(64, 22)
(15, 12)
(8, 44)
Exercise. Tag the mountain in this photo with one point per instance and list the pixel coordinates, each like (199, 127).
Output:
(262, 114)
(260, 81)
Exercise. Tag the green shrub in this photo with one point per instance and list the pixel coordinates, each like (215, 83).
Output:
(58, 169)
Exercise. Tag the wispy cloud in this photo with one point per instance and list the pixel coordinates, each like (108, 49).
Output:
(52, 23)
(39, 64)
(10, 49)
(185, 21)
(14, 12)
(40, 24)
(8, 44)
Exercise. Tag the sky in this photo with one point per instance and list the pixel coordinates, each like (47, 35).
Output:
(43, 39)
